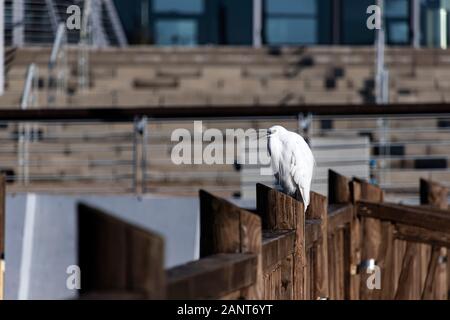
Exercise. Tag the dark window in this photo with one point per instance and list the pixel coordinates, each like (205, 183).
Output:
(177, 22)
(354, 22)
(290, 22)
(397, 20)
(178, 6)
(435, 22)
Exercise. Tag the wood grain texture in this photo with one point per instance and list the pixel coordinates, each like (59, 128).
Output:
(212, 277)
(219, 226)
(117, 256)
(339, 216)
(343, 236)
(2, 234)
(354, 232)
(437, 283)
(318, 209)
(422, 235)
(406, 215)
(226, 228)
(338, 188)
(2, 215)
(371, 235)
(386, 262)
(432, 193)
(429, 291)
(287, 289)
(276, 247)
(279, 211)
(312, 233)
(405, 287)
(251, 242)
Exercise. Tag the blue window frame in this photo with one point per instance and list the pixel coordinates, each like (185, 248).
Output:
(291, 22)
(177, 22)
(397, 21)
(179, 6)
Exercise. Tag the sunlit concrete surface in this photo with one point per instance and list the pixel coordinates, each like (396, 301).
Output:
(54, 240)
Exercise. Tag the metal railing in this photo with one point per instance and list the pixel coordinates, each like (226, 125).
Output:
(29, 99)
(35, 22)
(86, 39)
(128, 150)
(57, 66)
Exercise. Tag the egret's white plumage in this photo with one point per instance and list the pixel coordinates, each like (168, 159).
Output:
(292, 161)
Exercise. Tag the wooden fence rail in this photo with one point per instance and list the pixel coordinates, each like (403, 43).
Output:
(353, 246)
(2, 235)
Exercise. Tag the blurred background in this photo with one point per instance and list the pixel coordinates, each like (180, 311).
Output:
(169, 53)
(218, 54)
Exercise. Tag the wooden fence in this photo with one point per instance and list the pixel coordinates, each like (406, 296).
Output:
(2, 234)
(353, 246)
(331, 251)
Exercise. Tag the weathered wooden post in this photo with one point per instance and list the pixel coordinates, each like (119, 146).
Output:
(340, 192)
(437, 281)
(433, 194)
(117, 259)
(279, 211)
(317, 210)
(2, 235)
(226, 228)
(375, 245)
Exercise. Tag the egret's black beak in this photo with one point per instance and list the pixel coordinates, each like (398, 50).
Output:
(263, 135)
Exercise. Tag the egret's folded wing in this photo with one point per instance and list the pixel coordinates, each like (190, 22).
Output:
(302, 164)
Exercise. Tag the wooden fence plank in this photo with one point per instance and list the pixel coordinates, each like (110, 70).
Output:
(436, 196)
(421, 235)
(338, 188)
(428, 292)
(332, 271)
(347, 253)
(117, 256)
(279, 211)
(354, 232)
(339, 215)
(2, 234)
(386, 263)
(251, 242)
(226, 228)
(405, 287)
(212, 277)
(312, 232)
(344, 231)
(371, 235)
(287, 289)
(405, 215)
(276, 246)
(342, 237)
(432, 193)
(219, 226)
(339, 246)
(317, 209)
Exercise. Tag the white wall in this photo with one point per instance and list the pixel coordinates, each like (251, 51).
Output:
(53, 244)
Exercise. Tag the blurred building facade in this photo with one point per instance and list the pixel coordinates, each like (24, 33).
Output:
(233, 22)
(281, 22)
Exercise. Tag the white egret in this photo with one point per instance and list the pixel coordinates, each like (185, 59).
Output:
(292, 161)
